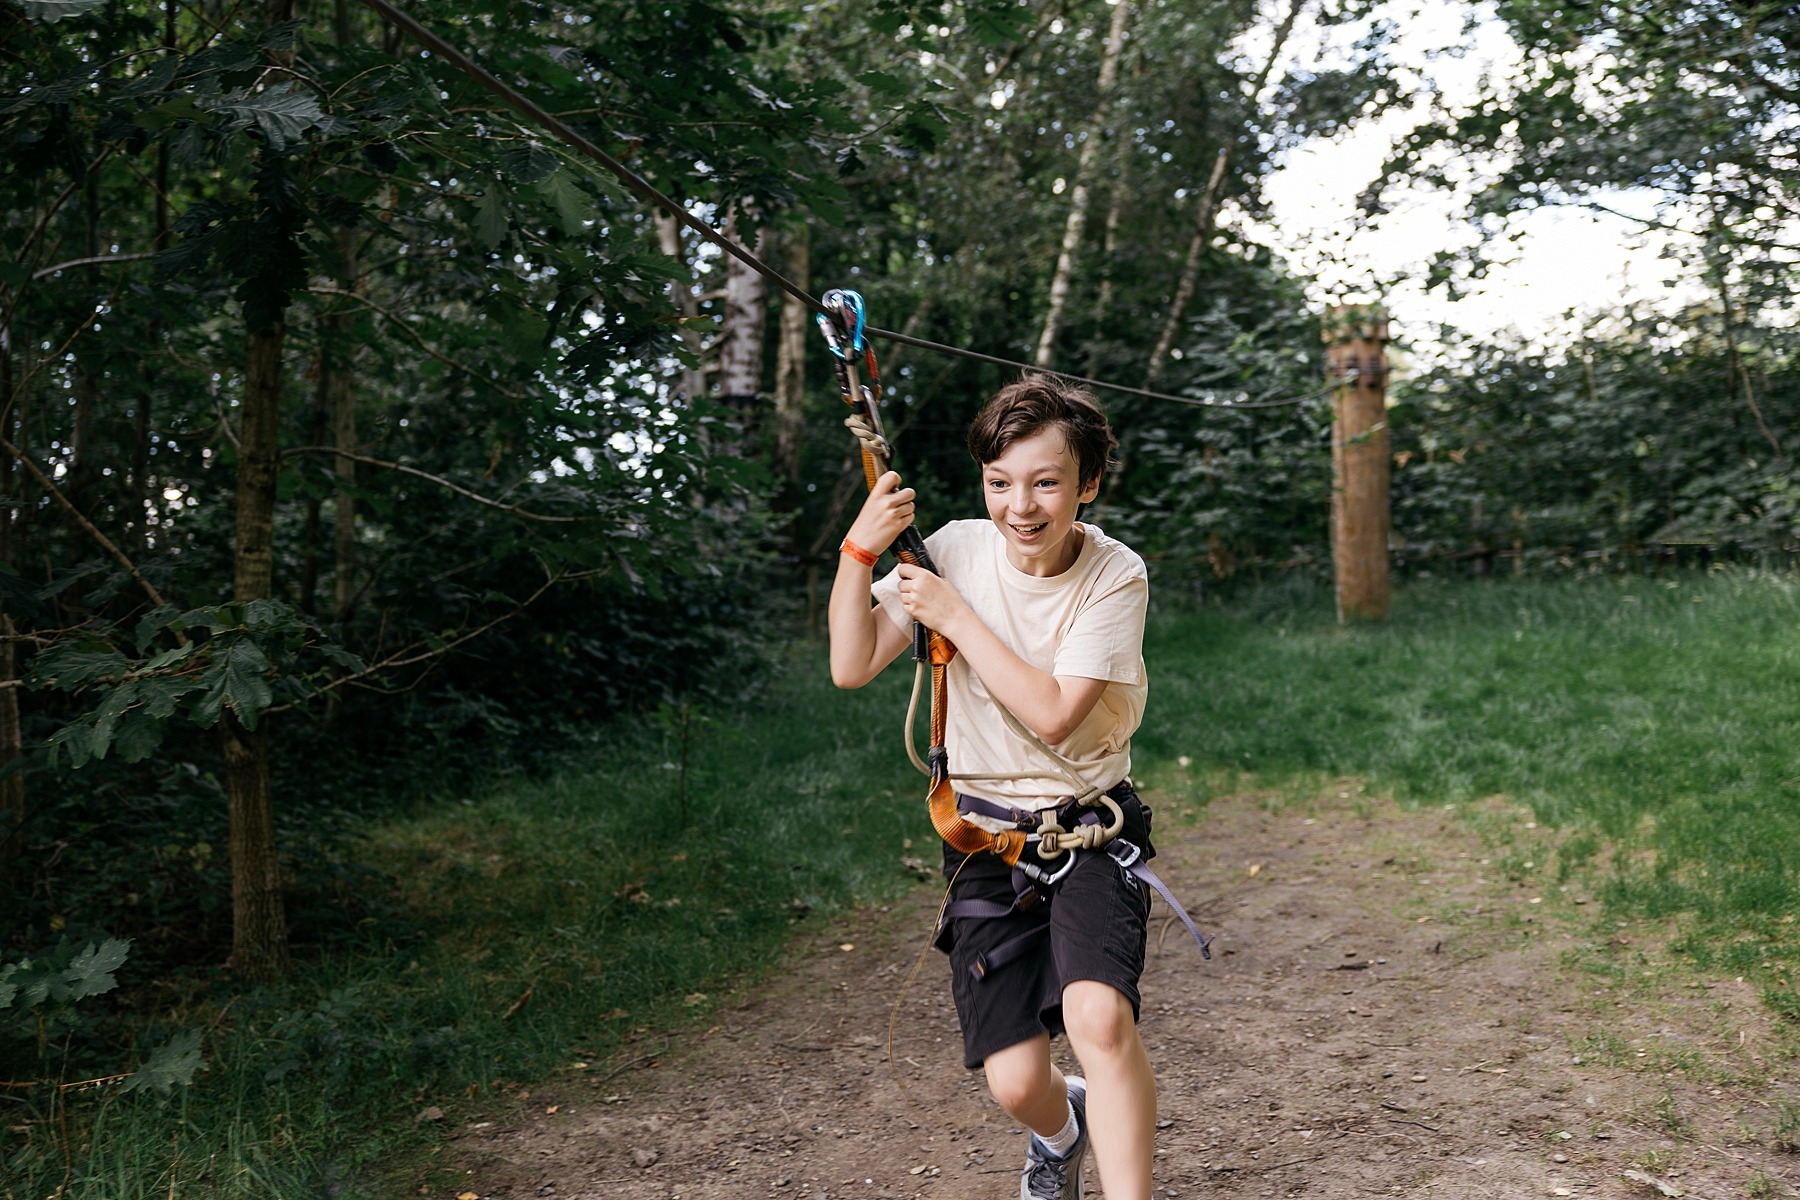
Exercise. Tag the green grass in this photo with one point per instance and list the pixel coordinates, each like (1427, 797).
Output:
(1657, 717)
(1652, 722)
(586, 889)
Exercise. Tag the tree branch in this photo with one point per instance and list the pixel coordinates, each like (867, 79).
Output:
(514, 509)
(6, 407)
(409, 657)
(325, 289)
(98, 260)
(105, 543)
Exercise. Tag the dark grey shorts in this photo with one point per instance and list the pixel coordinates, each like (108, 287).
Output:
(1092, 927)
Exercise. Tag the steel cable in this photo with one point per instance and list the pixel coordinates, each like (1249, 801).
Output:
(647, 191)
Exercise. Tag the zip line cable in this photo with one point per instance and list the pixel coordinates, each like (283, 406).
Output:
(647, 191)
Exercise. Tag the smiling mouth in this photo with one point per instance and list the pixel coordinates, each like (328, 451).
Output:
(1028, 530)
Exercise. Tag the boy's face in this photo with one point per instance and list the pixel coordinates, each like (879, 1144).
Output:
(1033, 492)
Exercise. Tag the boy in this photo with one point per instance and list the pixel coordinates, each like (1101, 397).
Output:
(1047, 615)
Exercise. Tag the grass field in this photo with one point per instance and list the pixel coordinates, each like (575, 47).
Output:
(1654, 722)
(1657, 718)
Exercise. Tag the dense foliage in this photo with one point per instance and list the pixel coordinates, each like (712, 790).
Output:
(1626, 450)
(344, 409)
(359, 439)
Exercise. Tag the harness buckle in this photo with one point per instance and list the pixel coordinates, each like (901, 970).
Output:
(1124, 853)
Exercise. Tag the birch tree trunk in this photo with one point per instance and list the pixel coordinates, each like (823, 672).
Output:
(1109, 246)
(259, 948)
(790, 358)
(1207, 212)
(741, 335)
(1079, 193)
(692, 380)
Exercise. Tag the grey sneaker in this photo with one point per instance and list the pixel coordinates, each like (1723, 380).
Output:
(1049, 1178)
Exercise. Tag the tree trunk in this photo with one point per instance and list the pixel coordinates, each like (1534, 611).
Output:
(259, 948)
(12, 788)
(1078, 199)
(1109, 246)
(1207, 212)
(790, 359)
(741, 334)
(692, 380)
(308, 589)
(342, 399)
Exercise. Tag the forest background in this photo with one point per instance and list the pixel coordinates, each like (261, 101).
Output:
(360, 440)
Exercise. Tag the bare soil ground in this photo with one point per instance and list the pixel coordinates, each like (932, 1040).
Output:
(1385, 1014)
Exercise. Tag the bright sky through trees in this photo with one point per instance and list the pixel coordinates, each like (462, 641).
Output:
(1561, 261)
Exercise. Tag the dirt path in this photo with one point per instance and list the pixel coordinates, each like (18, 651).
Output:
(1387, 1015)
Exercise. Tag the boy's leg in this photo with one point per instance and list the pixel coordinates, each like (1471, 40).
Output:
(1121, 1089)
(1099, 922)
(1026, 1084)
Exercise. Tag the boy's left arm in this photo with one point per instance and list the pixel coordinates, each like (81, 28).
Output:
(1051, 706)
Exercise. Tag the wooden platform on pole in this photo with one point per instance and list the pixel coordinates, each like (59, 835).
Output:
(1356, 338)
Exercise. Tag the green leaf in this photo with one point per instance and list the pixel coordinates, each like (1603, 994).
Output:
(235, 681)
(281, 113)
(106, 717)
(171, 1065)
(181, 108)
(52, 11)
(169, 658)
(72, 669)
(884, 86)
(999, 24)
(573, 206)
(529, 164)
(92, 971)
(138, 737)
(490, 218)
(72, 742)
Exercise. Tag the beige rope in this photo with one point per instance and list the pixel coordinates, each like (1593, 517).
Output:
(870, 438)
(1053, 839)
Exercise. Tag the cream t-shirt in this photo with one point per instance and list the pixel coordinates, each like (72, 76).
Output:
(1086, 622)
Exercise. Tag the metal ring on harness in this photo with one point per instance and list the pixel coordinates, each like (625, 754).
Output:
(1043, 877)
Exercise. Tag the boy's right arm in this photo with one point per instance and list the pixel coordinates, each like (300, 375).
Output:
(863, 639)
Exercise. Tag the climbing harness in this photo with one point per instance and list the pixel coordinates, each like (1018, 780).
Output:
(1055, 835)
(1127, 855)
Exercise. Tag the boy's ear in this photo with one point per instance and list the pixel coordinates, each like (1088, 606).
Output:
(1089, 490)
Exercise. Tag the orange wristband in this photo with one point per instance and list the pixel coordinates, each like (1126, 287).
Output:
(858, 553)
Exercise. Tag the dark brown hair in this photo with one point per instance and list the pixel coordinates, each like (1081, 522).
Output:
(1034, 404)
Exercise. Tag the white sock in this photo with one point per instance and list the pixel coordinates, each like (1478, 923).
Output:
(1063, 1142)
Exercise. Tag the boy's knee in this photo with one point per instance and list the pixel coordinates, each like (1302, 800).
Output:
(1098, 1017)
(1015, 1082)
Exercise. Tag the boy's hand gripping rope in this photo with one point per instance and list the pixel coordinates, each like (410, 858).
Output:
(842, 324)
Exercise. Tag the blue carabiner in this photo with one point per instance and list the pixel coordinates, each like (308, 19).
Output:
(835, 299)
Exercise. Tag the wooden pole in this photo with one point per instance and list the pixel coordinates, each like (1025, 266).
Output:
(1356, 337)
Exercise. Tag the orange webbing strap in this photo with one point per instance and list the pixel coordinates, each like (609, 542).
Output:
(964, 835)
